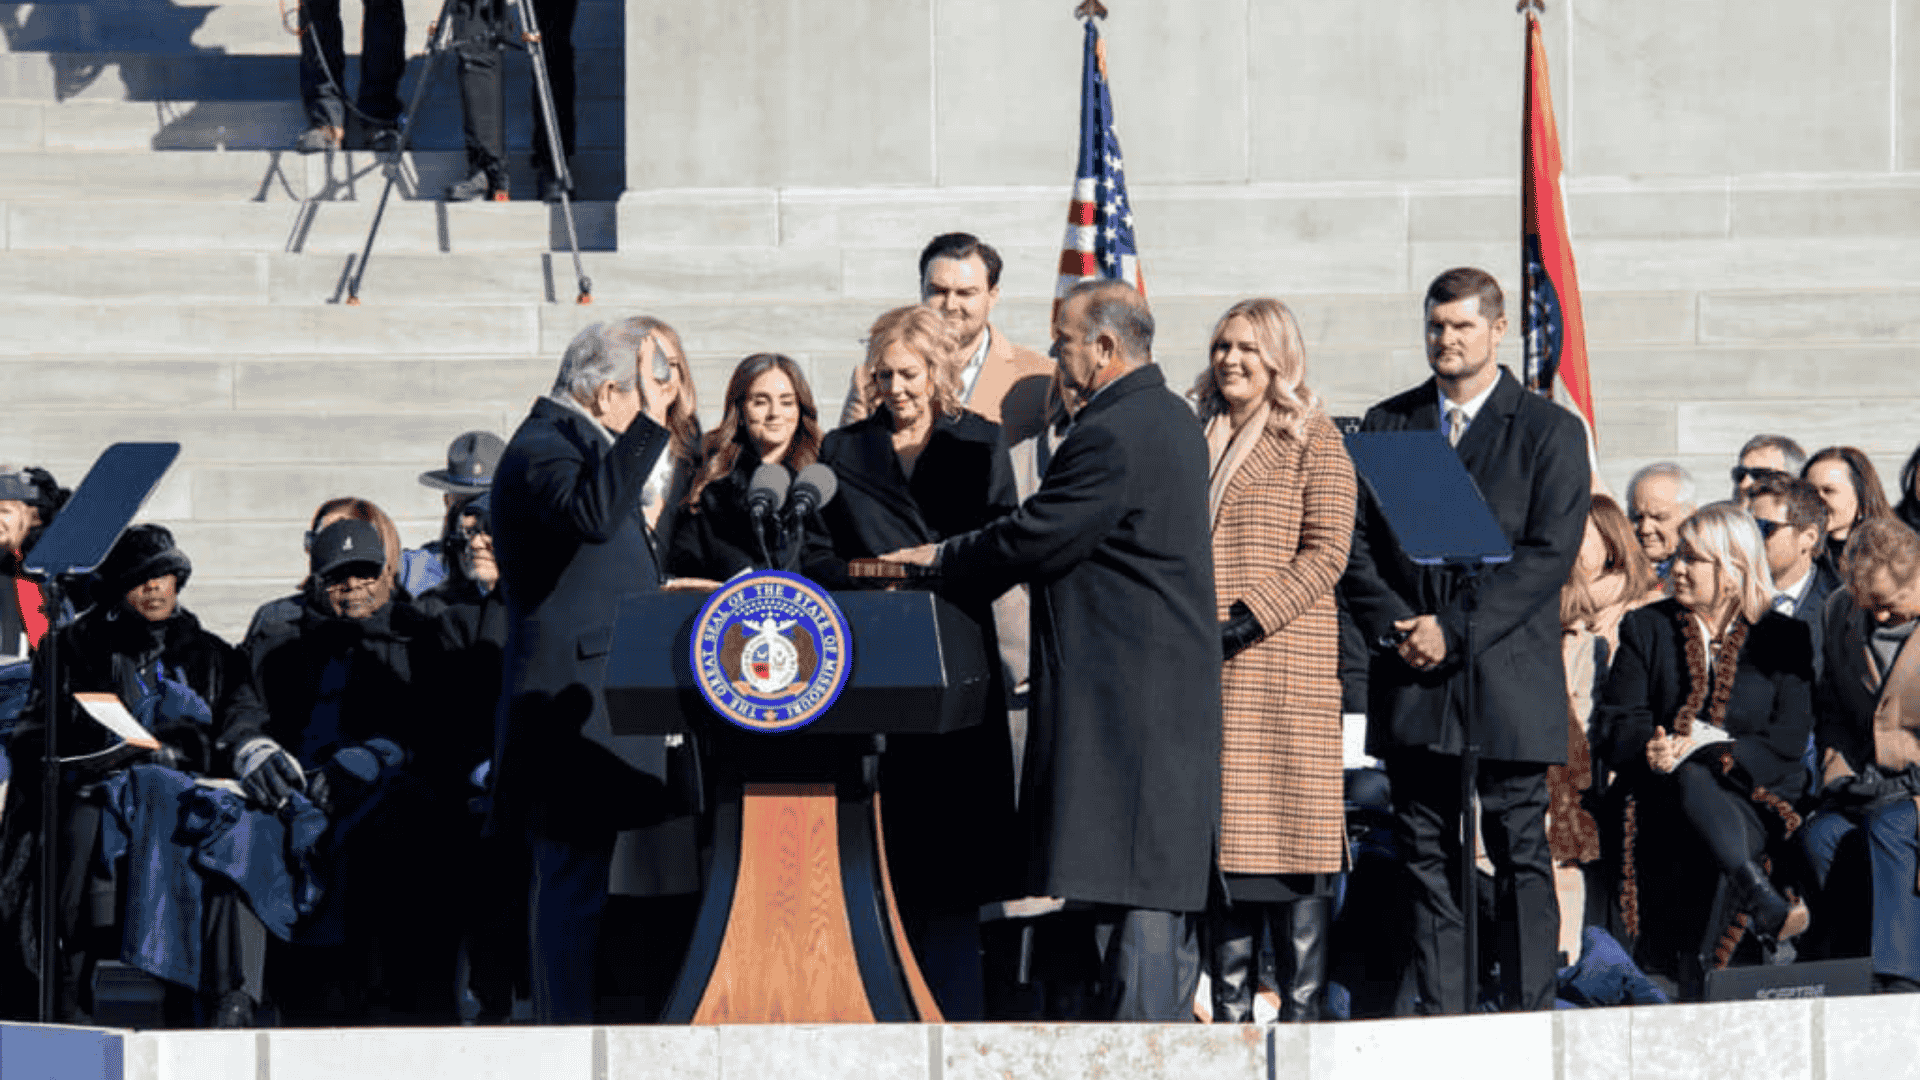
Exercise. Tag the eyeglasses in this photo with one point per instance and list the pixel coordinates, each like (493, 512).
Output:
(1741, 473)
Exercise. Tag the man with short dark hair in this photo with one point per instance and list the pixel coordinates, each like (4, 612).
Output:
(1867, 729)
(1529, 458)
(1121, 783)
(1009, 385)
(1793, 521)
(1762, 456)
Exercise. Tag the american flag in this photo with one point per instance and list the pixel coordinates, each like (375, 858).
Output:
(1099, 241)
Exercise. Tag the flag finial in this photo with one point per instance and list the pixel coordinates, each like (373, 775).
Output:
(1531, 6)
(1090, 9)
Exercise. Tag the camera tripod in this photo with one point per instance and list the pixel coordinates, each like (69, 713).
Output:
(439, 43)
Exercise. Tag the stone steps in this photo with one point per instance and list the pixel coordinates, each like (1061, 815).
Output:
(213, 76)
(257, 125)
(216, 178)
(247, 26)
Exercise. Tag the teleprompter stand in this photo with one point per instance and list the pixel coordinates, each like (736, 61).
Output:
(798, 923)
(1438, 518)
(439, 43)
(76, 543)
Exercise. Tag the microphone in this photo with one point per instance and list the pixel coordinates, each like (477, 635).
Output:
(812, 489)
(767, 490)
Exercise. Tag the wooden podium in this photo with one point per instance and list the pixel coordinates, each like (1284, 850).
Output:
(798, 923)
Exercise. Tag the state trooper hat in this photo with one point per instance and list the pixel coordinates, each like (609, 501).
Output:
(344, 543)
(471, 459)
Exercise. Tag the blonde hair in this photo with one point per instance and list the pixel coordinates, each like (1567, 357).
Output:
(683, 416)
(1727, 535)
(1282, 350)
(924, 333)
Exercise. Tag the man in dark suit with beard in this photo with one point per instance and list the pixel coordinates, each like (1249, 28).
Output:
(1528, 457)
(570, 542)
(1121, 784)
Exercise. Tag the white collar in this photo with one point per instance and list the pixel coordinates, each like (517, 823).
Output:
(1797, 592)
(1469, 408)
(569, 401)
(970, 374)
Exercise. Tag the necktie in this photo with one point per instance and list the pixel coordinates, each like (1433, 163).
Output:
(1456, 424)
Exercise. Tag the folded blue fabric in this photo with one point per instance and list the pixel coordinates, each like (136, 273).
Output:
(1606, 975)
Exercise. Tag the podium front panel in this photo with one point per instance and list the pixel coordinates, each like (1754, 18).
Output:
(920, 666)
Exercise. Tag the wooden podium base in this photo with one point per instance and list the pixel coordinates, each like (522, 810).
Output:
(798, 924)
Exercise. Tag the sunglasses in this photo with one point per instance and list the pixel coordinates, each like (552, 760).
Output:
(1768, 528)
(1741, 473)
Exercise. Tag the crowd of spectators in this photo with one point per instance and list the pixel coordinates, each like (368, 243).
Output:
(1700, 723)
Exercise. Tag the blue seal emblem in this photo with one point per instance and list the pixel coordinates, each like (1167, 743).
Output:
(771, 651)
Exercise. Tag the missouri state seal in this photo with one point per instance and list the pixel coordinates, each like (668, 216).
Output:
(771, 651)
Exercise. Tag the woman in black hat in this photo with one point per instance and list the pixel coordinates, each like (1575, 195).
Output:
(137, 643)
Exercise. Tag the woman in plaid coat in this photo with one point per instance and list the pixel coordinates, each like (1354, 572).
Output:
(1281, 494)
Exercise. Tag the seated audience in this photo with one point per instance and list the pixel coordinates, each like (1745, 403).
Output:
(1763, 456)
(1847, 482)
(471, 458)
(338, 706)
(1704, 718)
(29, 500)
(770, 419)
(1869, 741)
(918, 469)
(1281, 494)
(470, 618)
(1611, 577)
(138, 644)
(1659, 497)
(274, 616)
(1793, 519)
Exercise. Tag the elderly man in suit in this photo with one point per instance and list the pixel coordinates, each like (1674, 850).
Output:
(1121, 785)
(1528, 457)
(1867, 728)
(1009, 385)
(570, 541)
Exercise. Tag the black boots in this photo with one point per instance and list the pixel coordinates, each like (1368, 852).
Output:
(1309, 923)
(1774, 916)
(1300, 933)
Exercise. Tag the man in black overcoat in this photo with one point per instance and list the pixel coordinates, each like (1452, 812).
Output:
(1528, 457)
(570, 541)
(1121, 786)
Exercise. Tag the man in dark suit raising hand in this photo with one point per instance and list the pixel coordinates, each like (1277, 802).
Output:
(1528, 458)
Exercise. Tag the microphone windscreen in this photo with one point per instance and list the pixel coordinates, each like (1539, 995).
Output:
(821, 479)
(769, 485)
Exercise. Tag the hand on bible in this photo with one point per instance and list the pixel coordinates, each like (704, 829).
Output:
(913, 556)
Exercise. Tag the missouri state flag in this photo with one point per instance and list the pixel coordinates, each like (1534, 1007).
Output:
(1552, 326)
(1099, 241)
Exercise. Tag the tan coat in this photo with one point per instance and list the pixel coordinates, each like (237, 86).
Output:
(1279, 546)
(1012, 390)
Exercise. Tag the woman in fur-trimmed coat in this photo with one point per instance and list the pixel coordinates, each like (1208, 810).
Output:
(1281, 494)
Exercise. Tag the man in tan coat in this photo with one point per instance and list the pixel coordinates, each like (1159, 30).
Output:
(1009, 385)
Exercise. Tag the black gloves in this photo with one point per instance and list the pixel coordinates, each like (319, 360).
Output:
(346, 776)
(268, 774)
(1240, 631)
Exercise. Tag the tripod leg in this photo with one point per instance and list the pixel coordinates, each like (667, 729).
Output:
(438, 41)
(556, 154)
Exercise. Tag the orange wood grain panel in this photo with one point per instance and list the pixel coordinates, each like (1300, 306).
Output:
(788, 953)
(923, 1002)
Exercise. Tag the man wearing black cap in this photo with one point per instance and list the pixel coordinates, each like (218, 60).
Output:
(137, 643)
(337, 706)
(471, 459)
